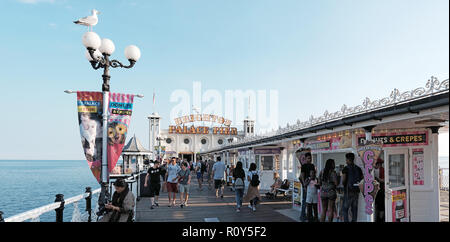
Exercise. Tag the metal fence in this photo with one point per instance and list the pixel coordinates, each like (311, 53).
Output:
(443, 179)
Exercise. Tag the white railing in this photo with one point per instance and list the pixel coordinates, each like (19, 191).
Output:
(34, 214)
(443, 179)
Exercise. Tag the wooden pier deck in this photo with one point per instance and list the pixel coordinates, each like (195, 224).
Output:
(203, 206)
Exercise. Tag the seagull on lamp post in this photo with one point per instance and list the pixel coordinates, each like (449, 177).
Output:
(89, 21)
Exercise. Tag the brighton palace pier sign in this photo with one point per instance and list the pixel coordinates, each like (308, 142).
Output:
(178, 129)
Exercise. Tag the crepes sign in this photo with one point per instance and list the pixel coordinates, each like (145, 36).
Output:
(369, 153)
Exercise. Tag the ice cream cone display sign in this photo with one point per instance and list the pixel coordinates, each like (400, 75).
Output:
(369, 153)
(300, 154)
(90, 111)
(119, 117)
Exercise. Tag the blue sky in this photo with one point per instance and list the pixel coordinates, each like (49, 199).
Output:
(317, 54)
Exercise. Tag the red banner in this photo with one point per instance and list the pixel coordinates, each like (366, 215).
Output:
(90, 111)
(119, 116)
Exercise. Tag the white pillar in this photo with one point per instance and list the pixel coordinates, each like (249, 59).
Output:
(436, 202)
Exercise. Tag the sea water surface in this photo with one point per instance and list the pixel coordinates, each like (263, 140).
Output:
(29, 184)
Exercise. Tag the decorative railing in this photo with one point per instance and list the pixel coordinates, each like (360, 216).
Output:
(34, 215)
(432, 87)
(59, 205)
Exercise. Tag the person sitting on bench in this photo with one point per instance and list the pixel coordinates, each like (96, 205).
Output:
(276, 184)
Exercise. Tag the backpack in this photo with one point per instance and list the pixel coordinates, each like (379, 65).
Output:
(239, 183)
(354, 176)
(255, 180)
(203, 168)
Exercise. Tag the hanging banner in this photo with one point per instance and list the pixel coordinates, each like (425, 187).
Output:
(369, 153)
(119, 117)
(90, 111)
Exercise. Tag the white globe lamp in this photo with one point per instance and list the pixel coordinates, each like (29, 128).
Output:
(107, 47)
(91, 40)
(132, 52)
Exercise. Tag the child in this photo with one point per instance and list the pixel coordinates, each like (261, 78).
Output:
(311, 196)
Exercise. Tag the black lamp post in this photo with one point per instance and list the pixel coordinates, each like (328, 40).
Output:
(98, 53)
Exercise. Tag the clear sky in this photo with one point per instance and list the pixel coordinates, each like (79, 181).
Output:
(318, 55)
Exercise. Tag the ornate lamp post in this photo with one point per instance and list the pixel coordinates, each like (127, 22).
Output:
(98, 53)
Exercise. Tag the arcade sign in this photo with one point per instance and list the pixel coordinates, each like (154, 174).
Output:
(202, 117)
(202, 130)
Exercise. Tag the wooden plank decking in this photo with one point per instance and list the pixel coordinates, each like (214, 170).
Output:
(204, 205)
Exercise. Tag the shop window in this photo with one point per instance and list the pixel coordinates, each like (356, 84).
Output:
(267, 163)
(397, 170)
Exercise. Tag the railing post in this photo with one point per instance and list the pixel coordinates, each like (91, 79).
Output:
(1, 217)
(60, 210)
(88, 202)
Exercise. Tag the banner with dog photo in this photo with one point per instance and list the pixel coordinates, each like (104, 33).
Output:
(90, 111)
(119, 117)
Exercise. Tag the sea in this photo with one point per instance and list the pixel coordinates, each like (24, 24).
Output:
(29, 184)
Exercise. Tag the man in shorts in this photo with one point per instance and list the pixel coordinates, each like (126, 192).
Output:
(171, 181)
(218, 171)
(154, 176)
(184, 179)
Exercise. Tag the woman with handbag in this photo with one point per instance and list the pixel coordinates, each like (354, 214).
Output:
(239, 185)
(328, 183)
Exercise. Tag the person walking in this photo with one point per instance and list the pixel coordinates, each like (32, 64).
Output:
(154, 176)
(239, 185)
(199, 171)
(171, 181)
(121, 208)
(352, 175)
(252, 195)
(328, 183)
(210, 178)
(218, 173)
(184, 180)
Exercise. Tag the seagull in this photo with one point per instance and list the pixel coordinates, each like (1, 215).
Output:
(89, 21)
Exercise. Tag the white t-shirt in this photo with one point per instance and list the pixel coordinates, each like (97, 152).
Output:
(172, 171)
(198, 166)
(251, 173)
(219, 170)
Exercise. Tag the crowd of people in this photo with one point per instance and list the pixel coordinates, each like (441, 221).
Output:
(338, 188)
